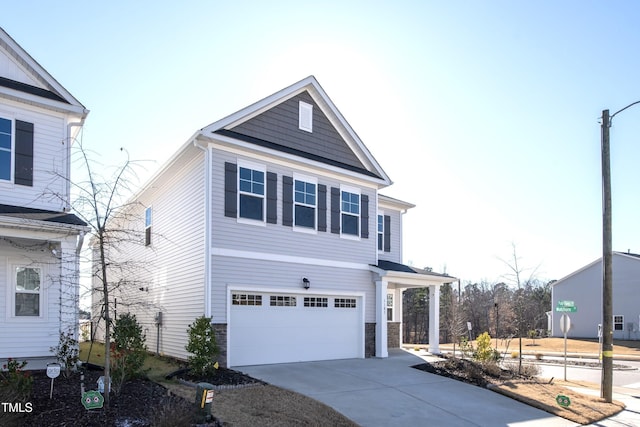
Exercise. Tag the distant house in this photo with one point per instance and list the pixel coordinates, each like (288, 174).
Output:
(270, 221)
(39, 238)
(584, 288)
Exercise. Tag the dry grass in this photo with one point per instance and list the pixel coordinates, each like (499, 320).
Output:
(584, 408)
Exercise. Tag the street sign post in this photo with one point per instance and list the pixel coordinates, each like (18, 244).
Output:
(565, 325)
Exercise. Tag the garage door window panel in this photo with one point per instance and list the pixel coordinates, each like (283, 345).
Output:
(246, 299)
(316, 302)
(282, 301)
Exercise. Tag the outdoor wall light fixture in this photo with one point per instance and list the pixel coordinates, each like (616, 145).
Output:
(306, 283)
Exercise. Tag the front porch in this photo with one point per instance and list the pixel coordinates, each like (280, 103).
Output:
(392, 279)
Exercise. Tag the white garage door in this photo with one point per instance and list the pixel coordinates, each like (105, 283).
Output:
(278, 328)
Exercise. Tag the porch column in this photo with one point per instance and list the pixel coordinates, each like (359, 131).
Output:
(381, 318)
(399, 313)
(434, 319)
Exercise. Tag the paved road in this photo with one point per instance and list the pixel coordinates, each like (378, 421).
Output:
(628, 377)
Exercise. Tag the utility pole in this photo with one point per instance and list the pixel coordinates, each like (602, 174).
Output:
(606, 387)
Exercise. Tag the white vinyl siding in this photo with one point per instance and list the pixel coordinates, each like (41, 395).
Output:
(230, 233)
(50, 158)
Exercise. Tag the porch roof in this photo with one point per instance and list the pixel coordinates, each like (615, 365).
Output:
(405, 276)
(40, 215)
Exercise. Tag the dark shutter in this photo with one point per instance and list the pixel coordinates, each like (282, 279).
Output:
(322, 207)
(230, 190)
(272, 198)
(387, 233)
(364, 216)
(24, 154)
(287, 201)
(335, 210)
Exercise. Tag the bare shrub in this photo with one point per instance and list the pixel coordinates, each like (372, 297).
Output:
(175, 412)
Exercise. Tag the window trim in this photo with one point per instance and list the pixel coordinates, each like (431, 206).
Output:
(389, 304)
(379, 232)
(12, 290)
(621, 322)
(351, 190)
(310, 180)
(305, 116)
(148, 222)
(243, 164)
(12, 149)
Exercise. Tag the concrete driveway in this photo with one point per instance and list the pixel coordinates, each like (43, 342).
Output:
(388, 392)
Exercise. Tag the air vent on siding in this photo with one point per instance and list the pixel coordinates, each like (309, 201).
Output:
(305, 116)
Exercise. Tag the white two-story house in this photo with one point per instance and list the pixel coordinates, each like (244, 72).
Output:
(270, 222)
(39, 237)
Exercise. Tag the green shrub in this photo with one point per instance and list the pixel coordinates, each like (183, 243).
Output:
(202, 345)
(67, 352)
(15, 384)
(484, 352)
(128, 350)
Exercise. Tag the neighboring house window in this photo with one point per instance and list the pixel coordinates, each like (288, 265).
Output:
(246, 299)
(350, 212)
(28, 288)
(147, 226)
(618, 323)
(304, 201)
(6, 149)
(251, 194)
(380, 232)
(305, 116)
(16, 152)
(389, 307)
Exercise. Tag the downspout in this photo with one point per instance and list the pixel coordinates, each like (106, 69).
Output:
(207, 227)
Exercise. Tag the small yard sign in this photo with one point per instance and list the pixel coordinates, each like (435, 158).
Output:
(563, 400)
(566, 306)
(92, 400)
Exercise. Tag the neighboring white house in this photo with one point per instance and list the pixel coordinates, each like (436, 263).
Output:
(39, 238)
(584, 288)
(270, 222)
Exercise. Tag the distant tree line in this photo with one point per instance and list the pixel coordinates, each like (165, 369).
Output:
(497, 308)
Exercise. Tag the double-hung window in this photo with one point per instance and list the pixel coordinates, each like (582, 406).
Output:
(6, 149)
(251, 192)
(350, 211)
(380, 232)
(304, 200)
(147, 226)
(28, 288)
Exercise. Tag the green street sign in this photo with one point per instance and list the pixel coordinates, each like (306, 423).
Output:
(92, 400)
(566, 307)
(563, 400)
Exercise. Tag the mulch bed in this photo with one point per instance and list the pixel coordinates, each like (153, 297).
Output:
(141, 402)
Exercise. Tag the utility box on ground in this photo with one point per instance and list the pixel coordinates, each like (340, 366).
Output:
(204, 402)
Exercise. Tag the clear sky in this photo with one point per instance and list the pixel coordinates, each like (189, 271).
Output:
(484, 114)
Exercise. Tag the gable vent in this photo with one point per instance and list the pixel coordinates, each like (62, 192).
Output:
(305, 116)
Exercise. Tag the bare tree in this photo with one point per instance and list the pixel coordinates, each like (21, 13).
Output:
(516, 276)
(100, 199)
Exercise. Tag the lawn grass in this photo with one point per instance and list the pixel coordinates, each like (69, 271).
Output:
(155, 367)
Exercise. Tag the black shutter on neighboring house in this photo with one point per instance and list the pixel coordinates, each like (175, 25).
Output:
(335, 210)
(287, 201)
(322, 207)
(230, 190)
(272, 197)
(24, 154)
(387, 233)
(364, 216)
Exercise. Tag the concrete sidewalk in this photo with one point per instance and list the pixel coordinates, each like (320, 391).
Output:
(388, 392)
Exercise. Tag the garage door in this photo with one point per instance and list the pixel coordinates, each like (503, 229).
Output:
(278, 328)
